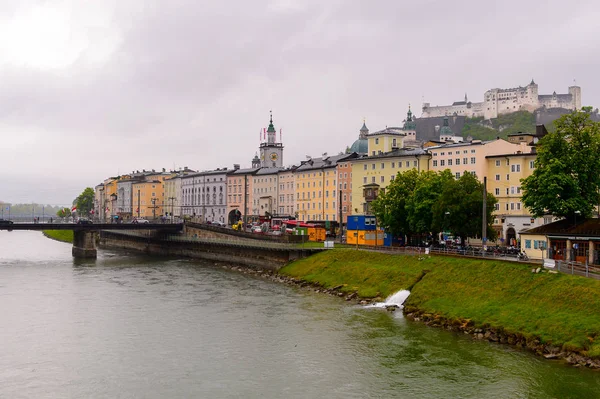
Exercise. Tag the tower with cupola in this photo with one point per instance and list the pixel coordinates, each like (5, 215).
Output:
(271, 151)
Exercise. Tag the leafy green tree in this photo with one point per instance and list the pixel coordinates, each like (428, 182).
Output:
(566, 178)
(63, 213)
(459, 208)
(420, 205)
(390, 207)
(85, 201)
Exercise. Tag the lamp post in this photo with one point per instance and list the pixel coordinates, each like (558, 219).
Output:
(444, 226)
(576, 213)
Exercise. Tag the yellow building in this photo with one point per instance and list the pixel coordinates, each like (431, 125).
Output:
(317, 192)
(385, 141)
(373, 173)
(148, 196)
(504, 174)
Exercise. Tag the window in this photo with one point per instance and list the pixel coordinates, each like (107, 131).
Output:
(506, 190)
(457, 161)
(376, 141)
(373, 166)
(531, 164)
(392, 178)
(365, 166)
(472, 160)
(527, 244)
(507, 177)
(497, 163)
(442, 163)
(449, 162)
(408, 164)
(373, 179)
(515, 168)
(457, 175)
(364, 180)
(394, 143)
(465, 161)
(497, 206)
(472, 151)
(382, 165)
(415, 163)
(382, 179)
(443, 153)
(518, 206)
(435, 162)
(512, 190)
(497, 191)
(393, 165)
(512, 206)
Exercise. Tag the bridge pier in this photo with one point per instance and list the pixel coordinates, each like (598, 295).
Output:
(84, 244)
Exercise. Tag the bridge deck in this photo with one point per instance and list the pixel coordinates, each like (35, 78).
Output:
(92, 227)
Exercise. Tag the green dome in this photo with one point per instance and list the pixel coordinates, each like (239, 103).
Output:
(360, 146)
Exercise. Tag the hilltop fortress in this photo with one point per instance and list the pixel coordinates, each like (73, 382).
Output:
(504, 101)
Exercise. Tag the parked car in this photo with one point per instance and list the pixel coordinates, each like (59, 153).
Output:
(140, 221)
(4, 222)
(219, 224)
(256, 229)
(84, 221)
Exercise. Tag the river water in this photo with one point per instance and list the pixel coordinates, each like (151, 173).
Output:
(127, 326)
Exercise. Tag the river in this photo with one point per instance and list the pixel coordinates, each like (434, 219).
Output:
(127, 325)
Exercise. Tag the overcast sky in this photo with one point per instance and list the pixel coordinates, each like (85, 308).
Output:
(92, 89)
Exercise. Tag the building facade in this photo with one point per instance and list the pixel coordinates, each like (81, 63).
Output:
(504, 101)
(470, 156)
(239, 193)
(287, 201)
(373, 173)
(271, 151)
(265, 191)
(204, 195)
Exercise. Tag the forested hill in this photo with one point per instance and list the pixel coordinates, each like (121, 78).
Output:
(521, 121)
(480, 129)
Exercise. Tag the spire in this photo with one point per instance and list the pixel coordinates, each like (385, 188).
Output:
(532, 82)
(466, 97)
(363, 130)
(409, 114)
(271, 128)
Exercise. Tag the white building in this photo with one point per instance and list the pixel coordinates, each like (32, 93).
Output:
(504, 101)
(203, 195)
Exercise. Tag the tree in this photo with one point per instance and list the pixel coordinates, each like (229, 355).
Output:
(460, 206)
(420, 205)
(566, 179)
(85, 201)
(390, 206)
(63, 213)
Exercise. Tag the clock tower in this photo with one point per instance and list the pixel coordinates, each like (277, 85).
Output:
(271, 152)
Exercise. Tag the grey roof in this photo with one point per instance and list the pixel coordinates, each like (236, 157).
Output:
(245, 171)
(209, 172)
(459, 103)
(564, 97)
(389, 130)
(426, 126)
(325, 162)
(268, 171)
(400, 152)
(462, 144)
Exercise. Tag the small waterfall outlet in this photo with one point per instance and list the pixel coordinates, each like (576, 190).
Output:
(396, 299)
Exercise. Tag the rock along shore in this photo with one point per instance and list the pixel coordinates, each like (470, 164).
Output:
(455, 325)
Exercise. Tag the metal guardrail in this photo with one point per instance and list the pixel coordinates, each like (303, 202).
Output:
(578, 269)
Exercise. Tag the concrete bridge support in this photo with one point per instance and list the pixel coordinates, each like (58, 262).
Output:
(84, 244)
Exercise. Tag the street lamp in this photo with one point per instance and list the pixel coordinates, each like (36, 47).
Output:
(576, 213)
(444, 225)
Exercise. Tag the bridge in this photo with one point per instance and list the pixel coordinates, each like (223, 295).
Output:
(86, 235)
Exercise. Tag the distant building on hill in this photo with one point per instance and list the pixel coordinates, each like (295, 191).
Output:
(504, 101)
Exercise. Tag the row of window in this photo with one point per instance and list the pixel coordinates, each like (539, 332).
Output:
(513, 206)
(442, 162)
(374, 166)
(315, 205)
(510, 191)
(435, 154)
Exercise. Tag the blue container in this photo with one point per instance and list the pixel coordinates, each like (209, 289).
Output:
(387, 240)
(360, 222)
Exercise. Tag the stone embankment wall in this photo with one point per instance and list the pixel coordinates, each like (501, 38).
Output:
(229, 252)
(208, 231)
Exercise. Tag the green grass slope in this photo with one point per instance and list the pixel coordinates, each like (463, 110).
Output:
(521, 121)
(60, 235)
(558, 309)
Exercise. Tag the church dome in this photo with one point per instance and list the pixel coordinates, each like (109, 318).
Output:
(360, 146)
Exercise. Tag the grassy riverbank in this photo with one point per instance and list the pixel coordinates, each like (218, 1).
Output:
(59, 235)
(558, 309)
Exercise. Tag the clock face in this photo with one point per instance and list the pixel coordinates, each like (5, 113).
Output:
(273, 156)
